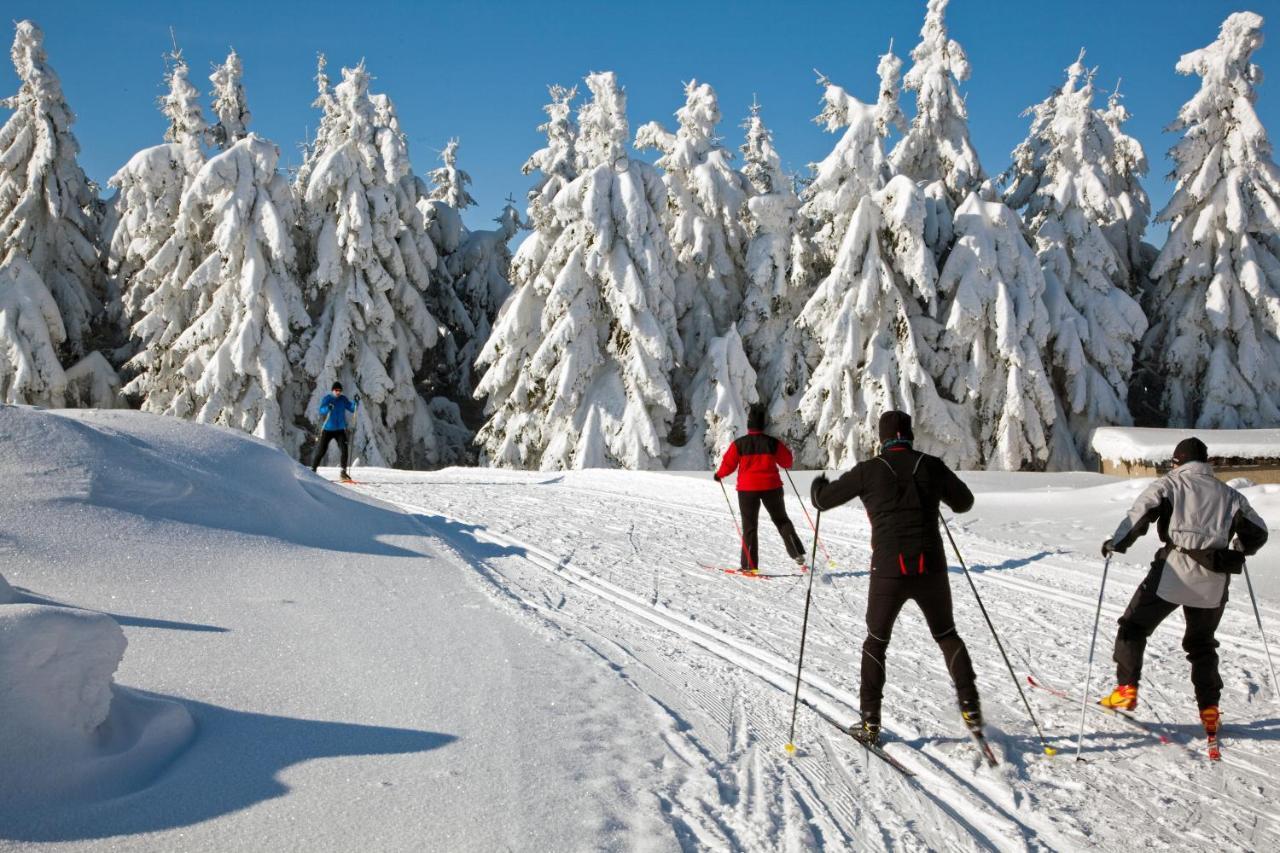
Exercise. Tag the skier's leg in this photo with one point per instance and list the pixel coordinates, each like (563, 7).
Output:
(749, 504)
(1202, 650)
(776, 504)
(885, 598)
(321, 449)
(1144, 614)
(932, 594)
(341, 438)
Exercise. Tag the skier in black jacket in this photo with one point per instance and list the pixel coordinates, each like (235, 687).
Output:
(901, 490)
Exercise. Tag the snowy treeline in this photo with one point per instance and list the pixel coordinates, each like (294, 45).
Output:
(1007, 315)
(225, 293)
(652, 304)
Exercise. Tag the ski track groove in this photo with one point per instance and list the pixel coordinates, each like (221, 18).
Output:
(742, 796)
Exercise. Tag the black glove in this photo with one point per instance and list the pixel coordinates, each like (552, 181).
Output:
(1108, 548)
(716, 476)
(819, 483)
(357, 399)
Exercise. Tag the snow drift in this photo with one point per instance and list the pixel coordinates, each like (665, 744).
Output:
(66, 730)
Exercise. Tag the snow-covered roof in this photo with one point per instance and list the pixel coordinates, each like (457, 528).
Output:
(1144, 444)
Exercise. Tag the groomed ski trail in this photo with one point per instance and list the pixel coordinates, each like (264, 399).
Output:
(614, 567)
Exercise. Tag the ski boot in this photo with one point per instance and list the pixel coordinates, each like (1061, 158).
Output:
(1211, 719)
(801, 564)
(867, 732)
(344, 475)
(971, 713)
(1123, 698)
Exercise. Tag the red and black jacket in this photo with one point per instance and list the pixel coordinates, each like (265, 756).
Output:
(901, 490)
(756, 457)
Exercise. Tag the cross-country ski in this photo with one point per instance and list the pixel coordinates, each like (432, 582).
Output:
(574, 427)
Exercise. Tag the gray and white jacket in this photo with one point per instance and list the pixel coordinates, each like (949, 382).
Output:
(1195, 514)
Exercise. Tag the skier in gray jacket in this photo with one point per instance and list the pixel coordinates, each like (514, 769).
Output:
(1207, 528)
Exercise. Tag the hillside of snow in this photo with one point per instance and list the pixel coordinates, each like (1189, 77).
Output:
(474, 659)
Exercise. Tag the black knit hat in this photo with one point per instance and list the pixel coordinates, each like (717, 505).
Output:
(756, 417)
(337, 386)
(896, 425)
(1190, 450)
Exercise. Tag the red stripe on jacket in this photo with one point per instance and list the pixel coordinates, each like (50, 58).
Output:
(757, 472)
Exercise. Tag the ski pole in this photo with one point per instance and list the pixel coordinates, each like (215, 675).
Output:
(751, 564)
(1275, 685)
(804, 630)
(1084, 693)
(1048, 750)
(831, 564)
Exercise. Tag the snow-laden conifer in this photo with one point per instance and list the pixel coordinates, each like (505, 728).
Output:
(871, 315)
(774, 343)
(149, 190)
(1215, 307)
(705, 221)
(724, 388)
(367, 273)
(1063, 177)
(30, 334)
(235, 356)
(995, 337)
(451, 182)
(46, 202)
(229, 103)
(478, 273)
(936, 151)
(596, 390)
(511, 435)
(1131, 205)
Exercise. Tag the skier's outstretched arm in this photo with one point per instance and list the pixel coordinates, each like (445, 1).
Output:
(953, 491)
(828, 495)
(1250, 529)
(1145, 510)
(326, 404)
(729, 464)
(783, 456)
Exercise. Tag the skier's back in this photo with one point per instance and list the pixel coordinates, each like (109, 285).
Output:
(902, 490)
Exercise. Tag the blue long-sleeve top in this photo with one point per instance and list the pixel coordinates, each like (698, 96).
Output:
(336, 407)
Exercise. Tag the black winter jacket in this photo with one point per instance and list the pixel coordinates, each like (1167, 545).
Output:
(901, 490)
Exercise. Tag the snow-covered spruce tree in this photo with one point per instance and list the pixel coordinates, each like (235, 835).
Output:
(479, 272)
(936, 151)
(596, 390)
(871, 315)
(451, 182)
(149, 191)
(772, 299)
(1215, 308)
(511, 435)
(1062, 176)
(235, 362)
(30, 333)
(705, 221)
(229, 103)
(367, 273)
(724, 387)
(996, 335)
(1130, 204)
(47, 204)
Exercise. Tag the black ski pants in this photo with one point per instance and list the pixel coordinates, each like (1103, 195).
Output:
(338, 435)
(885, 599)
(775, 504)
(1145, 612)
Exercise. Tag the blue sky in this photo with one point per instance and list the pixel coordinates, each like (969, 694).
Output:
(478, 70)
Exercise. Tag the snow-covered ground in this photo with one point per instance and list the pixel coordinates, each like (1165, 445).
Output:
(486, 659)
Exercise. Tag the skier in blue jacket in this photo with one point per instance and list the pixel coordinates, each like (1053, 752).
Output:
(334, 407)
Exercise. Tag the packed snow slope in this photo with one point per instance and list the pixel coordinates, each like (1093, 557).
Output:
(612, 557)
(351, 684)
(482, 659)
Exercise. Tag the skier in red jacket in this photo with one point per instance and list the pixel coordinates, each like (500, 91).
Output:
(756, 457)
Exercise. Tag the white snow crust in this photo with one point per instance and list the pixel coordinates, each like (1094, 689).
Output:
(1147, 444)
